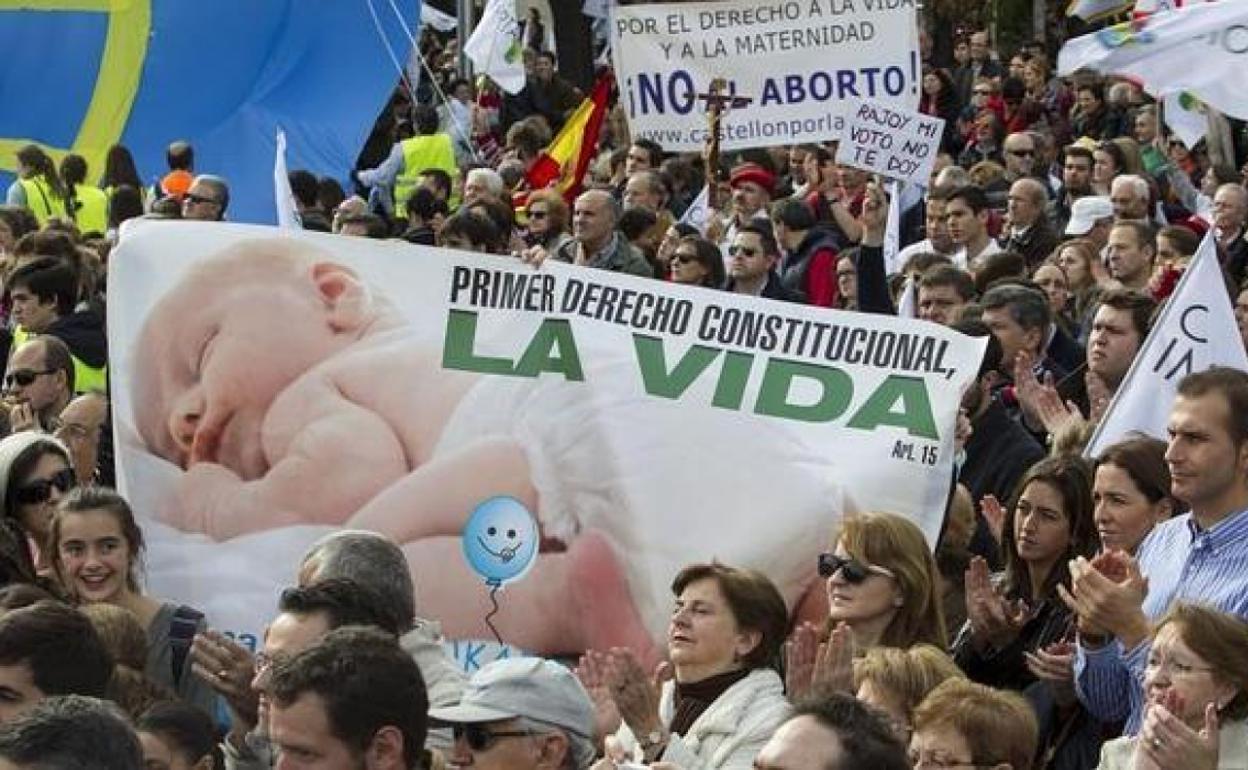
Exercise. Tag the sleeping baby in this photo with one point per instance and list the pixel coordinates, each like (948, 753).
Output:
(291, 392)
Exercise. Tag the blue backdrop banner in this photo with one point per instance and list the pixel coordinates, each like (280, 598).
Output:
(81, 75)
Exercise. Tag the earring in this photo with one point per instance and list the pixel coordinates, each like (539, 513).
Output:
(898, 601)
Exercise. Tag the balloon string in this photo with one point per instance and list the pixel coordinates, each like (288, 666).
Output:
(490, 615)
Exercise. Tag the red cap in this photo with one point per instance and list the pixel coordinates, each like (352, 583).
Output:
(752, 172)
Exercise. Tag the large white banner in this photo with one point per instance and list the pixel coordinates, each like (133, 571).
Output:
(276, 386)
(1195, 331)
(1200, 48)
(800, 61)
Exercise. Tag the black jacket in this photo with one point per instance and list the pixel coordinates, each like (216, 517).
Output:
(83, 333)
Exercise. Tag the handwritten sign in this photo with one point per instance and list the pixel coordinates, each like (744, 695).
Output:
(898, 143)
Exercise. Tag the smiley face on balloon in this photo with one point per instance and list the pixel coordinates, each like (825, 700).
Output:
(500, 540)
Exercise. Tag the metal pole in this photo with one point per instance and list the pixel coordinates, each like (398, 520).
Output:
(466, 23)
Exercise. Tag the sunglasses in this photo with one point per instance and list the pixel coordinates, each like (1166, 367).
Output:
(24, 377)
(1022, 153)
(537, 214)
(39, 491)
(852, 570)
(745, 250)
(198, 199)
(480, 738)
(684, 256)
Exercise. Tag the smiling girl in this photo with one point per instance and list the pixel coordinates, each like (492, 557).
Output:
(96, 547)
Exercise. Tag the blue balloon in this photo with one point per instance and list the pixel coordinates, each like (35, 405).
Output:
(500, 540)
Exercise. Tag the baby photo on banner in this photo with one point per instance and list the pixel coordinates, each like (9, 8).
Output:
(548, 446)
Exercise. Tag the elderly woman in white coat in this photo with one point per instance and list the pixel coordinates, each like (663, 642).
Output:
(1196, 682)
(725, 697)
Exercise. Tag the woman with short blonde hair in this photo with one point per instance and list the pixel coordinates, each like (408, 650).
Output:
(961, 723)
(896, 681)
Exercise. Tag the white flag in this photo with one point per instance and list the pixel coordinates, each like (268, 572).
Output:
(1196, 330)
(1198, 48)
(1090, 10)
(908, 306)
(1185, 116)
(287, 210)
(892, 230)
(495, 47)
(699, 212)
(442, 22)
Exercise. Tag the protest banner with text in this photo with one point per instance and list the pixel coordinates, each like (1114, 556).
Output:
(800, 62)
(898, 143)
(279, 387)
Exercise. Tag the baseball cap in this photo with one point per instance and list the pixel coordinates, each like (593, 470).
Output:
(1086, 211)
(532, 688)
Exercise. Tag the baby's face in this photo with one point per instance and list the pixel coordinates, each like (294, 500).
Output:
(215, 353)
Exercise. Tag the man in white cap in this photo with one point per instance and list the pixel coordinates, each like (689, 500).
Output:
(521, 714)
(1091, 218)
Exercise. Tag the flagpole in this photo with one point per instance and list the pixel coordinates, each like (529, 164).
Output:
(464, 32)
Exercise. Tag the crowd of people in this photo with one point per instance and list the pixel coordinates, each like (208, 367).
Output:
(1075, 613)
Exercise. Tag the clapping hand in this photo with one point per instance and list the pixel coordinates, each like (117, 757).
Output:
(1166, 742)
(1108, 596)
(592, 671)
(1055, 666)
(995, 621)
(636, 693)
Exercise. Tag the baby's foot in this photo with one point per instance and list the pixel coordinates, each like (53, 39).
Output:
(603, 600)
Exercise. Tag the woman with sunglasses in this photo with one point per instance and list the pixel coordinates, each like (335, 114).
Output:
(697, 262)
(547, 217)
(96, 547)
(667, 247)
(883, 589)
(35, 472)
(1019, 611)
(1196, 682)
(725, 698)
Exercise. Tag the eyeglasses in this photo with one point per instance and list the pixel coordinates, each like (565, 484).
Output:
(481, 738)
(684, 256)
(537, 214)
(743, 250)
(192, 198)
(39, 491)
(24, 377)
(852, 570)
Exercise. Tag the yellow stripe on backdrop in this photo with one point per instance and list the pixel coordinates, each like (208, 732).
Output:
(116, 84)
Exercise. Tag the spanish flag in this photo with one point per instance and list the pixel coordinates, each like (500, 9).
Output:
(563, 164)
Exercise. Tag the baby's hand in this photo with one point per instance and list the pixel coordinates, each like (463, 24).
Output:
(200, 490)
(211, 499)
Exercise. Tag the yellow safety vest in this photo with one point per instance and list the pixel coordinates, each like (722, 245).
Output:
(86, 378)
(420, 153)
(92, 212)
(41, 200)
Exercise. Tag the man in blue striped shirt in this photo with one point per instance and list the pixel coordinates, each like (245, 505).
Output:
(1198, 557)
